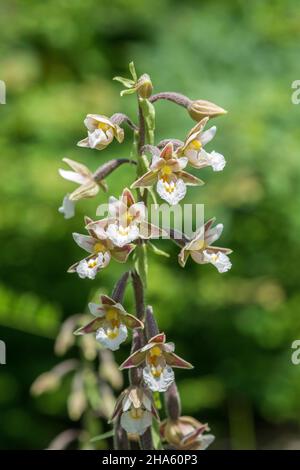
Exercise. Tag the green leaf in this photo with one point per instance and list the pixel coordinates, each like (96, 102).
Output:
(157, 251)
(103, 436)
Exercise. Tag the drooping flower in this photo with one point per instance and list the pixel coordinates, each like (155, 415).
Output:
(88, 186)
(186, 433)
(201, 250)
(101, 251)
(110, 324)
(101, 132)
(166, 170)
(126, 221)
(160, 358)
(193, 148)
(136, 408)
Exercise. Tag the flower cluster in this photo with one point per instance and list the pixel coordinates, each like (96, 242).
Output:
(125, 229)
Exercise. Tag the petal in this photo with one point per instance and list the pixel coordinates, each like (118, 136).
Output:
(148, 230)
(199, 126)
(148, 179)
(213, 234)
(205, 441)
(160, 383)
(90, 327)
(96, 309)
(136, 425)
(112, 343)
(86, 242)
(176, 361)
(67, 208)
(183, 256)
(132, 322)
(85, 191)
(217, 161)
(137, 211)
(190, 179)
(219, 260)
(99, 139)
(133, 360)
(198, 257)
(120, 254)
(208, 135)
(159, 338)
(78, 167)
(127, 197)
(72, 176)
(121, 236)
(106, 300)
(172, 192)
(83, 142)
(167, 151)
(119, 133)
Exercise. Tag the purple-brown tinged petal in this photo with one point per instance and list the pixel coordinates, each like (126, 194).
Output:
(90, 327)
(148, 179)
(132, 322)
(160, 338)
(190, 179)
(175, 361)
(121, 254)
(106, 300)
(167, 151)
(134, 360)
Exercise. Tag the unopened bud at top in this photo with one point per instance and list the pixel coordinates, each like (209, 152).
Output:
(144, 86)
(200, 109)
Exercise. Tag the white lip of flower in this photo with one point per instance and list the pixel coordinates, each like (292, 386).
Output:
(90, 267)
(193, 148)
(67, 208)
(136, 420)
(101, 131)
(121, 235)
(219, 260)
(173, 191)
(111, 336)
(158, 379)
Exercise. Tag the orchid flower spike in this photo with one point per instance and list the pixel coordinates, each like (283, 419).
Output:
(166, 170)
(110, 324)
(160, 358)
(201, 250)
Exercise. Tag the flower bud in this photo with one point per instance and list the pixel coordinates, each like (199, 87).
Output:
(144, 86)
(200, 109)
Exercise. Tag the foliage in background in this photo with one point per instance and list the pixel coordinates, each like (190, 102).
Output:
(57, 58)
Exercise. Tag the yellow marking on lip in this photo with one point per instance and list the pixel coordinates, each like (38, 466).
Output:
(136, 413)
(99, 247)
(194, 145)
(103, 126)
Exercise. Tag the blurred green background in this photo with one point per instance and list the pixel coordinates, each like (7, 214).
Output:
(57, 59)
